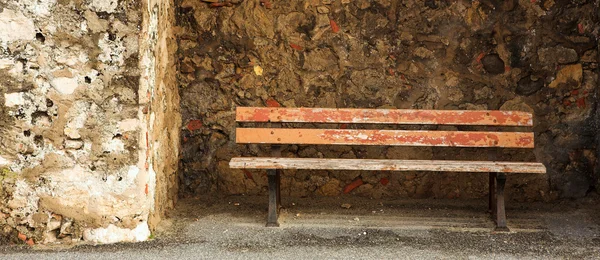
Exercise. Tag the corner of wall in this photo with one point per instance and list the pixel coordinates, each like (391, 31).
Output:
(160, 109)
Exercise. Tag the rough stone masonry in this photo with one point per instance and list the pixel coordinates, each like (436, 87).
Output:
(538, 56)
(79, 99)
(90, 115)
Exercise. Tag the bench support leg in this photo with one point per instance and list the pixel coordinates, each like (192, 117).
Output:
(500, 210)
(278, 180)
(492, 194)
(274, 201)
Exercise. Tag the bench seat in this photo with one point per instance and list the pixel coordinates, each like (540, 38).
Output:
(385, 165)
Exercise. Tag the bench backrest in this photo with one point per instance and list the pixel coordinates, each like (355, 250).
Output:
(384, 137)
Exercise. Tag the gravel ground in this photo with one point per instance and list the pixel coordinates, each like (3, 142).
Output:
(233, 228)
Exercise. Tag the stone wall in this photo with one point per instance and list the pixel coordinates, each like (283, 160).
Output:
(161, 107)
(536, 56)
(79, 130)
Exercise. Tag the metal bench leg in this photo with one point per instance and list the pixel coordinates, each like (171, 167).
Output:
(273, 198)
(492, 194)
(278, 180)
(500, 210)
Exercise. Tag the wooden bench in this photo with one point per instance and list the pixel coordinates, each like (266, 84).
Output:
(276, 136)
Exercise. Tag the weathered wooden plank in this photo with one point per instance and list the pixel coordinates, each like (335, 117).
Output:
(384, 137)
(384, 165)
(384, 116)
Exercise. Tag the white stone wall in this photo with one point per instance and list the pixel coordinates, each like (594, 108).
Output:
(76, 81)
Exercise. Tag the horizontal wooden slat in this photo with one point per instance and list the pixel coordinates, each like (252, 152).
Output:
(384, 165)
(384, 137)
(384, 116)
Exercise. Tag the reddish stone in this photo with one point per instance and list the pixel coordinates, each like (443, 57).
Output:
(194, 125)
(481, 55)
(384, 181)
(146, 190)
(581, 102)
(334, 27)
(217, 4)
(22, 236)
(566, 102)
(575, 92)
(30, 242)
(248, 174)
(506, 68)
(353, 185)
(266, 3)
(296, 46)
(272, 103)
(580, 28)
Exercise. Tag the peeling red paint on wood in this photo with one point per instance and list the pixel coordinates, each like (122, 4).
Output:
(383, 116)
(353, 185)
(384, 137)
